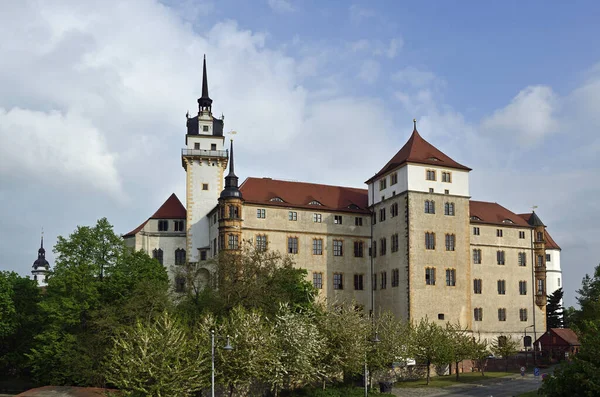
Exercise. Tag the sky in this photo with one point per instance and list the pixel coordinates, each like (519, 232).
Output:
(93, 97)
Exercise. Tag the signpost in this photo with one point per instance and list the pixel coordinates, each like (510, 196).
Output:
(536, 372)
(522, 371)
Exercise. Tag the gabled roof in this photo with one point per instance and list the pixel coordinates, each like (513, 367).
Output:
(171, 209)
(566, 334)
(493, 213)
(300, 194)
(418, 150)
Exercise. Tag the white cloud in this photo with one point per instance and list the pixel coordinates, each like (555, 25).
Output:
(414, 77)
(369, 71)
(281, 6)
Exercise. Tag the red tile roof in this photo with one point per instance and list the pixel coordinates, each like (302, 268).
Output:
(494, 213)
(566, 334)
(418, 150)
(299, 194)
(550, 243)
(171, 209)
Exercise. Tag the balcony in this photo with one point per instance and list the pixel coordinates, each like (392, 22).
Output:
(205, 153)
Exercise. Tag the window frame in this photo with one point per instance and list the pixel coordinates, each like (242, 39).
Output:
(450, 277)
(317, 246)
(293, 216)
(261, 213)
(318, 280)
(338, 247)
(430, 275)
(338, 281)
(292, 245)
(430, 174)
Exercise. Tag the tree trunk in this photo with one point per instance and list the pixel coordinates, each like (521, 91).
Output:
(456, 370)
(428, 369)
(484, 361)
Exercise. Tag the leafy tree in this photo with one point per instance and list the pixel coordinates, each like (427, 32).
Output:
(505, 347)
(554, 311)
(461, 344)
(158, 359)
(480, 352)
(430, 344)
(393, 336)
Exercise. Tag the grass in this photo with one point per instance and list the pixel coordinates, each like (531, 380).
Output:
(449, 380)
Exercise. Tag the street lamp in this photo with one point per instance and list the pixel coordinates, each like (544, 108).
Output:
(374, 340)
(212, 350)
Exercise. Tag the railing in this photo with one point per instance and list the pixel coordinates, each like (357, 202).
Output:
(205, 153)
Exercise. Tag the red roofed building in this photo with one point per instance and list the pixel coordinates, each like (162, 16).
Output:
(558, 343)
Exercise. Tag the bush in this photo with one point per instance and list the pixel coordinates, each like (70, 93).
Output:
(334, 392)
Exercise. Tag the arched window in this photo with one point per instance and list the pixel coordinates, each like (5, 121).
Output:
(233, 212)
(429, 207)
(179, 256)
(158, 255)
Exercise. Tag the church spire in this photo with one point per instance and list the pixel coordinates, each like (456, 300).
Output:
(231, 180)
(41, 267)
(204, 102)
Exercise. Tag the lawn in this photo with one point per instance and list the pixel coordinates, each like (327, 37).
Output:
(449, 380)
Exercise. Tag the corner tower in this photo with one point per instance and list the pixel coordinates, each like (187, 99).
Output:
(230, 211)
(204, 159)
(41, 267)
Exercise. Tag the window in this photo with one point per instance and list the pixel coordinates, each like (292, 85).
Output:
(430, 190)
(213, 146)
(292, 216)
(476, 231)
(358, 249)
(277, 200)
(205, 128)
(158, 255)
(498, 232)
(383, 280)
(374, 250)
(539, 237)
(163, 225)
(450, 242)
(539, 261)
(446, 191)
(317, 246)
(197, 145)
(521, 234)
(261, 242)
(548, 258)
(451, 277)
(202, 255)
(233, 242)
(478, 314)
(558, 279)
(292, 245)
(337, 219)
(358, 221)
(205, 186)
(318, 280)
(540, 286)
(395, 277)
(429, 241)
(430, 276)
(394, 209)
(446, 177)
(501, 287)
(383, 246)
(440, 316)
(180, 256)
(234, 212)
(358, 282)
(382, 184)
(523, 287)
(395, 242)
(214, 218)
(449, 209)
(222, 242)
(374, 280)
(214, 246)
(338, 281)
(382, 214)
(314, 202)
(500, 257)
(394, 178)
(523, 314)
(502, 314)
(178, 226)
(477, 284)
(338, 248)
(522, 259)
(317, 218)
(429, 207)
(477, 256)
(179, 284)
(430, 175)
(261, 213)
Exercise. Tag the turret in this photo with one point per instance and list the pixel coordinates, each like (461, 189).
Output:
(230, 210)
(41, 267)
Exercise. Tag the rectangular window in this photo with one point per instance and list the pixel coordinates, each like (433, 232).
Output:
(501, 287)
(430, 276)
(522, 259)
(475, 231)
(539, 261)
(429, 241)
(449, 209)
(338, 281)
(523, 287)
(521, 234)
(394, 178)
(548, 258)
(450, 242)
(317, 246)
(395, 277)
(382, 214)
(317, 218)
(478, 314)
(502, 314)
(196, 145)
(202, 255)
(540, 286)
(429, 207)
(292, 216)
(205, 186)
(558, 279)
(178, 226)
(500, 257)
(383, 280)
(204, 128)
(261, 213)
(382, 184)
(446, 191)
(383, 246)
(374, 250)
(395, 242)
(358, 221)
(477, 284)
(523, 314)
(318, 280)
(261, 242)
(477, 256)
(338, 248)
(498, 232)
(292, 245)
(394, 210)
(430, 175)
(451, 277)
(163, 225)
(430, 190)
(233, 242)
(337, 219)
(213, 146)
(446, 177)
(358, 282)
(179, 284)
(539, 237)
(358, 249)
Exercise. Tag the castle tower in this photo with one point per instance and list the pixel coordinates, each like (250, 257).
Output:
(41, 267)
(539, 254)
(204, 160)
(230, 211)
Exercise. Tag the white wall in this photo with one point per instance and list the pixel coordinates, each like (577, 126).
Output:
(417, 180)
(553, 271)
(390, 190)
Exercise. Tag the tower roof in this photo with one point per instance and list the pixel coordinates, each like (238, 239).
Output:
(41, 259)
(204, 101)
(231, 180)
(418, 150)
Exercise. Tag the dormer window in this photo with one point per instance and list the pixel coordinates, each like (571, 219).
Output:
(507, 221)
(433, 159)
(277, 200)
(314, 202)
(204, 128)
(353, 207)
(475, 218)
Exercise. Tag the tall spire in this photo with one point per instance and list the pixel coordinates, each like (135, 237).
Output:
(231, 180)
(204, 102)
(414, 125)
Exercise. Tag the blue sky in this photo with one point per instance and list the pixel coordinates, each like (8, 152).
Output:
(94, 96)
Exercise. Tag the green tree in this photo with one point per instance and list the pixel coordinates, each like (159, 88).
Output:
(554, 311)
(430, 344)
(461, 344)
(393, 345)
(159, 359)
(480, 352)
(505, 347)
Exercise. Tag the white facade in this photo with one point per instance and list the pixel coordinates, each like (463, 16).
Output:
(553, 271)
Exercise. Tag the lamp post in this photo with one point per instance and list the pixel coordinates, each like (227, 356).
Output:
(212, 350)
(374, 340)
(524, 340)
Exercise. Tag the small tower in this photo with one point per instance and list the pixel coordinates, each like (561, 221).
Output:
(539, 252)
(230, 210)
(41, 267)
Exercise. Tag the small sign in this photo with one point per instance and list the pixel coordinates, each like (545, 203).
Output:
(522, 371)
(536, 371)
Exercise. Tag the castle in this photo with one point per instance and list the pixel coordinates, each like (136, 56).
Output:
(413, 242)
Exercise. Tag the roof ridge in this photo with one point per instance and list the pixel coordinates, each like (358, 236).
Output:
(306, 183)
